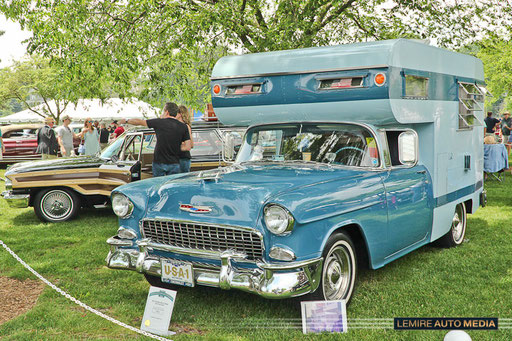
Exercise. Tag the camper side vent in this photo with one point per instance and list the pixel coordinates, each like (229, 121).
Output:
(467, 162)
(244, 89)
(471, 100)
(340, 83)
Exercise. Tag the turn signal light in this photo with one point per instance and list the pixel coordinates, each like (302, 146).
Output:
(216, 89)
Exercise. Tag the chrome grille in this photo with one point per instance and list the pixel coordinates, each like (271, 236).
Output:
(203, 237)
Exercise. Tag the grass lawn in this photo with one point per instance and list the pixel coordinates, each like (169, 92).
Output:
(473, 280)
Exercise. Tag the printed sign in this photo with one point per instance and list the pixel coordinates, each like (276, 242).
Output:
(324, 316)
(158, 312)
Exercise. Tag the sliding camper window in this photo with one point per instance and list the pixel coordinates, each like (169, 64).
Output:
(471, 102)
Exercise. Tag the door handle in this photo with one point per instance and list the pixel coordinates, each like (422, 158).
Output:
(422, 172)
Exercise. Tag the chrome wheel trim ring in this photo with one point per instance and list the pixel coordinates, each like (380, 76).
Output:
(338, 272)
(56, 205)
(458, 224)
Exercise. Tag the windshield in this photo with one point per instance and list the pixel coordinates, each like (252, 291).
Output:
(339, 144)
(113, 148)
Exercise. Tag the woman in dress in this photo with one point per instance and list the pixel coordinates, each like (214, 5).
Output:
(184, 117)
(91, 138)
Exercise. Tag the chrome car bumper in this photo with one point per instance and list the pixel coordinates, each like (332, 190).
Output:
(16, 200)
(270, 280)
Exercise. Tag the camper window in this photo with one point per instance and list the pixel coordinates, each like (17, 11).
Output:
(471, 100)
(416, 87)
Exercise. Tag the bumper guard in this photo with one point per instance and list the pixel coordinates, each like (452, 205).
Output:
(16, 200)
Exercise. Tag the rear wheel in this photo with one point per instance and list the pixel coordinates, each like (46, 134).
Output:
(457, 231)
(339, 269)
(56, 205)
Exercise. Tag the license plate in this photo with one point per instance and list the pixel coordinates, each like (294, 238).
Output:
(177, 272)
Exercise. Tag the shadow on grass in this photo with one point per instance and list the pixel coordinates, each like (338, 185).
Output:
(27, 217)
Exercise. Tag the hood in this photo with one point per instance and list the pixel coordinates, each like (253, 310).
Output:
(64, 163)
(236, 195)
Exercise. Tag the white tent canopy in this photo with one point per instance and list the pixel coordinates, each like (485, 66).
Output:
(111, 109)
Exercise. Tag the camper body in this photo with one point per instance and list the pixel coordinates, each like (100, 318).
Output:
(366, 151)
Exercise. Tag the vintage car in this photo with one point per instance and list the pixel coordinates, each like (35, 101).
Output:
(355, 152)
(21, 142)
(58, 188)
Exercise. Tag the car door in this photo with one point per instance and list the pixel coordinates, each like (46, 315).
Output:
(124, 162)
(408, 196)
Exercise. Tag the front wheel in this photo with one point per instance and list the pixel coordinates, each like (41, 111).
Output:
(56, 204)
(455, 236)
(339, 269)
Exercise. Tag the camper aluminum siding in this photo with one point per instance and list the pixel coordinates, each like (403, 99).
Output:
(289, 90)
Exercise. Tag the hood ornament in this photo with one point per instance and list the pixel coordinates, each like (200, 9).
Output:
(195, 209)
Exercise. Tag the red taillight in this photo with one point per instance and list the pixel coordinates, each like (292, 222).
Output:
(216, 89)
(380, 79)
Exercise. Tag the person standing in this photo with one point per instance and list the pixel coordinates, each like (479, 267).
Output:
(104, 135)
(185, 157)
(172, 136)
(118, 130)
(490, 124)
(506, 128)
(91, 138)
(47, 144)
(65, 137)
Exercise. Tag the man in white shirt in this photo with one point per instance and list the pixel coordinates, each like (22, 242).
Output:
(65, 137)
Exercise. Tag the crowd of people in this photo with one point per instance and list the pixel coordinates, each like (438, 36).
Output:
(498, 130)
(172, 129)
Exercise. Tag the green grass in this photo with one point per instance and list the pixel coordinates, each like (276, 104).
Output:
(474, 280)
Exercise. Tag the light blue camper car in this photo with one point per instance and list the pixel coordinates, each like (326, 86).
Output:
(364, 151)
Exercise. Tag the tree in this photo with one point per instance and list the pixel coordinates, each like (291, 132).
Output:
(496, 55)
(168, 48)
(35, 77)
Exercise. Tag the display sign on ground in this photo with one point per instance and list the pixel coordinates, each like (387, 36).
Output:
(158, 312)
(324, 316)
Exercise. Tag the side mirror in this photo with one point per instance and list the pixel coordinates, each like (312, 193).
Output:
(408, 148)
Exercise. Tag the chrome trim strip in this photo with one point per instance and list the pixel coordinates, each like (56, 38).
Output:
(301, 72)
(208, 254)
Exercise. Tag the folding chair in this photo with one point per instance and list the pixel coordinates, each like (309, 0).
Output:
(495, 161)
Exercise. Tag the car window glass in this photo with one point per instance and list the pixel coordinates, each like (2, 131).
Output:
(131, 149)
(112, 149)
(206, 142)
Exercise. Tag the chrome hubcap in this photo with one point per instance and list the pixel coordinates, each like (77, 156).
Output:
(458, 224)
(56, 204)
(337, 274)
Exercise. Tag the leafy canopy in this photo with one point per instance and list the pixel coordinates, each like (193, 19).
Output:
(165, 49)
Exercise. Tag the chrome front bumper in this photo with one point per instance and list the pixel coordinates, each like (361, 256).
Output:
(269, 280)
(16, 200)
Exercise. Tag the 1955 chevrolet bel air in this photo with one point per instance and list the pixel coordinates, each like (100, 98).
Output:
(365, 151)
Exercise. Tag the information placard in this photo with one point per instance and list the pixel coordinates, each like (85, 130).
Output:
(158, 312)
(324, 316)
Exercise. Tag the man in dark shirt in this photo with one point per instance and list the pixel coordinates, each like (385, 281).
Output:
(490, 123)
(171, 137)
(47, 144)
(104, 135)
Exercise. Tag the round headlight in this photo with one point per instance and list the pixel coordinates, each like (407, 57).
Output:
(278, 220)
(121, 205)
